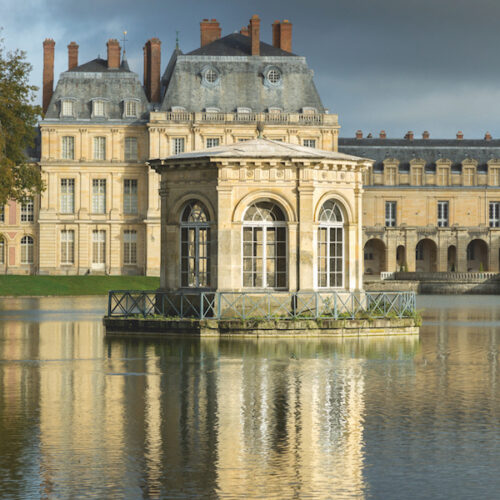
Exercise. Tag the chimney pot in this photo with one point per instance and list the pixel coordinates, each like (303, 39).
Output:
(72, 55)
(460, 135)
(48, 72)
(113, 53)
(425, 135)
(209, 31)
(409, 135)
(244, 31)
(359, 134)
(487, 136)
(255, 34)
(382, 134)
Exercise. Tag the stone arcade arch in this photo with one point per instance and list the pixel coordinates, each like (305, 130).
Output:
(426, 256)
(477, 256)
(452, 259)
(375, 256)
(401, 258)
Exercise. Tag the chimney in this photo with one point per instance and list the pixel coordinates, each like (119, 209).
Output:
(209, 31)
(72, 55)
(113, 53)
(276, 34)
(409, 135)
(244, 31)
(48, 72)
(359, 134)
(460, 135)
(426, 135)
(152, 63)
(382, 134)
(487, 136)
(286, 36)
(255, 34)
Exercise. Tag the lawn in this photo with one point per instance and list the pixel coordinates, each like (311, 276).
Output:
(73, 285)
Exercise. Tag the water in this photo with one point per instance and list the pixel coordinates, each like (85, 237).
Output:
(401, 417)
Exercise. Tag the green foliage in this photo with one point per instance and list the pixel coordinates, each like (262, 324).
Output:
(18, 117)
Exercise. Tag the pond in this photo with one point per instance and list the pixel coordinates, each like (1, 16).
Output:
(381, 417)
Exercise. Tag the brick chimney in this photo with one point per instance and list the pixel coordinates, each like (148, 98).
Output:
(209, 31)
(244, 31)
(359, 134)
(276, 34)
(48, 72)
(409, 135)
(487, 136)
(152, 64)
(382, 134)
(72, 55)
(286, 36)
(113, 53)
(426, 135)
(460, 135)
(255, 34)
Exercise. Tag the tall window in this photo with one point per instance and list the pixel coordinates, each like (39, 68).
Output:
(2, 213)
(130, 196)
(178, 145)
(443, 177)
(390, 213)
(130, 247)
(130, 108)
(98, 196)
(310, 143)
(26, 250)
(68, 147)
(27, 211)
(2, 250)
(494, 214)
(67, 196)
(212, 142)
(264, 246)
(98, 246)
(99, 148)
(495, 176)
(442, 214)
(331, 246)
(130, 148)
(67, 247)
(195, 245)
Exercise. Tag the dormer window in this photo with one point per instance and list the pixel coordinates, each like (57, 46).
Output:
(130, 109)
(274, 110)
(98, 108)
(309, 111)
(243, 110)
(67, 108)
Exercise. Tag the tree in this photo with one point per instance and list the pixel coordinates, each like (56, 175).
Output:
(18, 118)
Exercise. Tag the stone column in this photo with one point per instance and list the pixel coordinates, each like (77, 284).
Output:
(411, 243)
(462, 242)
(305, 251)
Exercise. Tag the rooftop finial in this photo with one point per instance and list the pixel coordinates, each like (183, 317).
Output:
(177, 40)
(124, 40)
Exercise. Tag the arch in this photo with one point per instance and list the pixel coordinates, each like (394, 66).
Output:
(426, 256)
(194, 212)
(343, 203)
(255, 196)
(477, 256)
(174, 215)
(374, 256)
(452, 258)
(401, 261)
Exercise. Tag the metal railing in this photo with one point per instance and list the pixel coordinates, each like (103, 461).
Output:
(471, 276)
(261, 305)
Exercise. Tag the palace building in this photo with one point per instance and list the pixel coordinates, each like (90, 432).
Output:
(428, 204)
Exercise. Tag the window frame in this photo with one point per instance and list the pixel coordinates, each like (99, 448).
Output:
(129, 247)
(99, 189)
(130, 198)
(309, 143)
(99, 147)
(443, 213)
(28, 210)
(178, 141)
(67, 247)
(68, 153)
(494, 214)
(67, 195)
(391, 208)
(27, 249)
(127, 149)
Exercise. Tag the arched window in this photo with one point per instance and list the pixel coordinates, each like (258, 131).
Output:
(26, 250)
(195, 245)
(331, 246)
(264, 246)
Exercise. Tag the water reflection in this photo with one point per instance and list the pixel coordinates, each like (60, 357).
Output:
(380, 417)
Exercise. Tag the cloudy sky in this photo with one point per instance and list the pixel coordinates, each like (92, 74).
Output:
(396, 65)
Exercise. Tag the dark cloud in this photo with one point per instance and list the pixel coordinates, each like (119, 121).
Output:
(391, 64)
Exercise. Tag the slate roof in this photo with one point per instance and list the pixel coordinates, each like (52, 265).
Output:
(99, 65)
(238, 45)
(429, 150)
(264, 148)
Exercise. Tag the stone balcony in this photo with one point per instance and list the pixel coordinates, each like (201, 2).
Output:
(299, 119)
